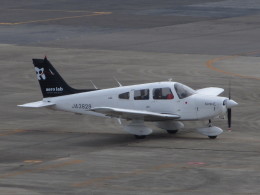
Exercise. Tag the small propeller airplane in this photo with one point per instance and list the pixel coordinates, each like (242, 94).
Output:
(166, 103)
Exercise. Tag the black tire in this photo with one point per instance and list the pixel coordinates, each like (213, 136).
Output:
(212, 137)
(140, 136)
(172, 131)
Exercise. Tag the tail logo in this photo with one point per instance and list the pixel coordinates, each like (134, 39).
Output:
(40, 73)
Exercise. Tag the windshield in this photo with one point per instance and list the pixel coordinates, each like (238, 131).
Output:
(183, 91)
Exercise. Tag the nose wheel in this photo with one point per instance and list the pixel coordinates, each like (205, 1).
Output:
(211, 131)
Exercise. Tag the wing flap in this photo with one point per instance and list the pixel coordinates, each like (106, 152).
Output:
(214, 91)
(134, 114)
(37, 104)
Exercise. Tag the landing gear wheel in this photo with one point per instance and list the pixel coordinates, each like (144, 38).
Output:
(172, 131)
(212, 137)
(140, 136)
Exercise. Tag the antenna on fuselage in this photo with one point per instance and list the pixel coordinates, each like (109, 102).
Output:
(170, 79)
(93, 84)
(120, 85)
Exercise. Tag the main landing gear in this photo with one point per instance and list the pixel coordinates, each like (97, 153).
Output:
(138, 129)
(140, 136)
(172, 131)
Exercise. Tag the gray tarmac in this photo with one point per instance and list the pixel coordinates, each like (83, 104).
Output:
(200, 43)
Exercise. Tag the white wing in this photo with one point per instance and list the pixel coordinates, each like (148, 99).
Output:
(134, 114)
(214, 91)
(37, 104)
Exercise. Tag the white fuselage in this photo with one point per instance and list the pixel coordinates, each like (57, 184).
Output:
(196, 106)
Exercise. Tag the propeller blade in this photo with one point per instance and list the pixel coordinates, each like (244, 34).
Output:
(229, 89)
(229, 118)
(230, 103)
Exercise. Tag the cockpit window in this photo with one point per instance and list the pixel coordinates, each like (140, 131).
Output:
(183, 91)
(162, 94)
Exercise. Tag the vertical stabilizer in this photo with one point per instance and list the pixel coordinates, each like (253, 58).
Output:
(51, 83)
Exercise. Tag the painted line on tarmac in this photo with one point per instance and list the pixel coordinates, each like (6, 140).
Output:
(32, 161)
(56, 19)
(98, 180)
(12, 132)
(39, 169)
(48, 10)
(210, 65)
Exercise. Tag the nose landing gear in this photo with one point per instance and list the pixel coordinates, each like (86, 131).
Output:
(210, 124)
(211, 131)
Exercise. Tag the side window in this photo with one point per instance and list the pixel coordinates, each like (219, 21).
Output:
(162, 94)
(142, 94)
(124, 96)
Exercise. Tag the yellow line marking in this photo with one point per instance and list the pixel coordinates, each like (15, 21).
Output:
(12, 132)
(44, 168)
(211, 62)
(133, 173)
(56, 19)
(32, 161)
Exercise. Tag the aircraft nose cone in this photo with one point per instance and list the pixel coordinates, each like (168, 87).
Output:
(231, 103)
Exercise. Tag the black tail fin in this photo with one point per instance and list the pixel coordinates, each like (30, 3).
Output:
(52, 84)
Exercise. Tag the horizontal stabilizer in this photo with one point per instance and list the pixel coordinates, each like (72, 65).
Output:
(214, 91)
(37, 104)
(134, 114)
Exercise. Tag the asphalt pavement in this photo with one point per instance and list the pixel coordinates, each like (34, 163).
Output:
(200, 43)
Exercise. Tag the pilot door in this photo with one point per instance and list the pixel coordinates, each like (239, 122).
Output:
(162, 100)
(141, 99)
